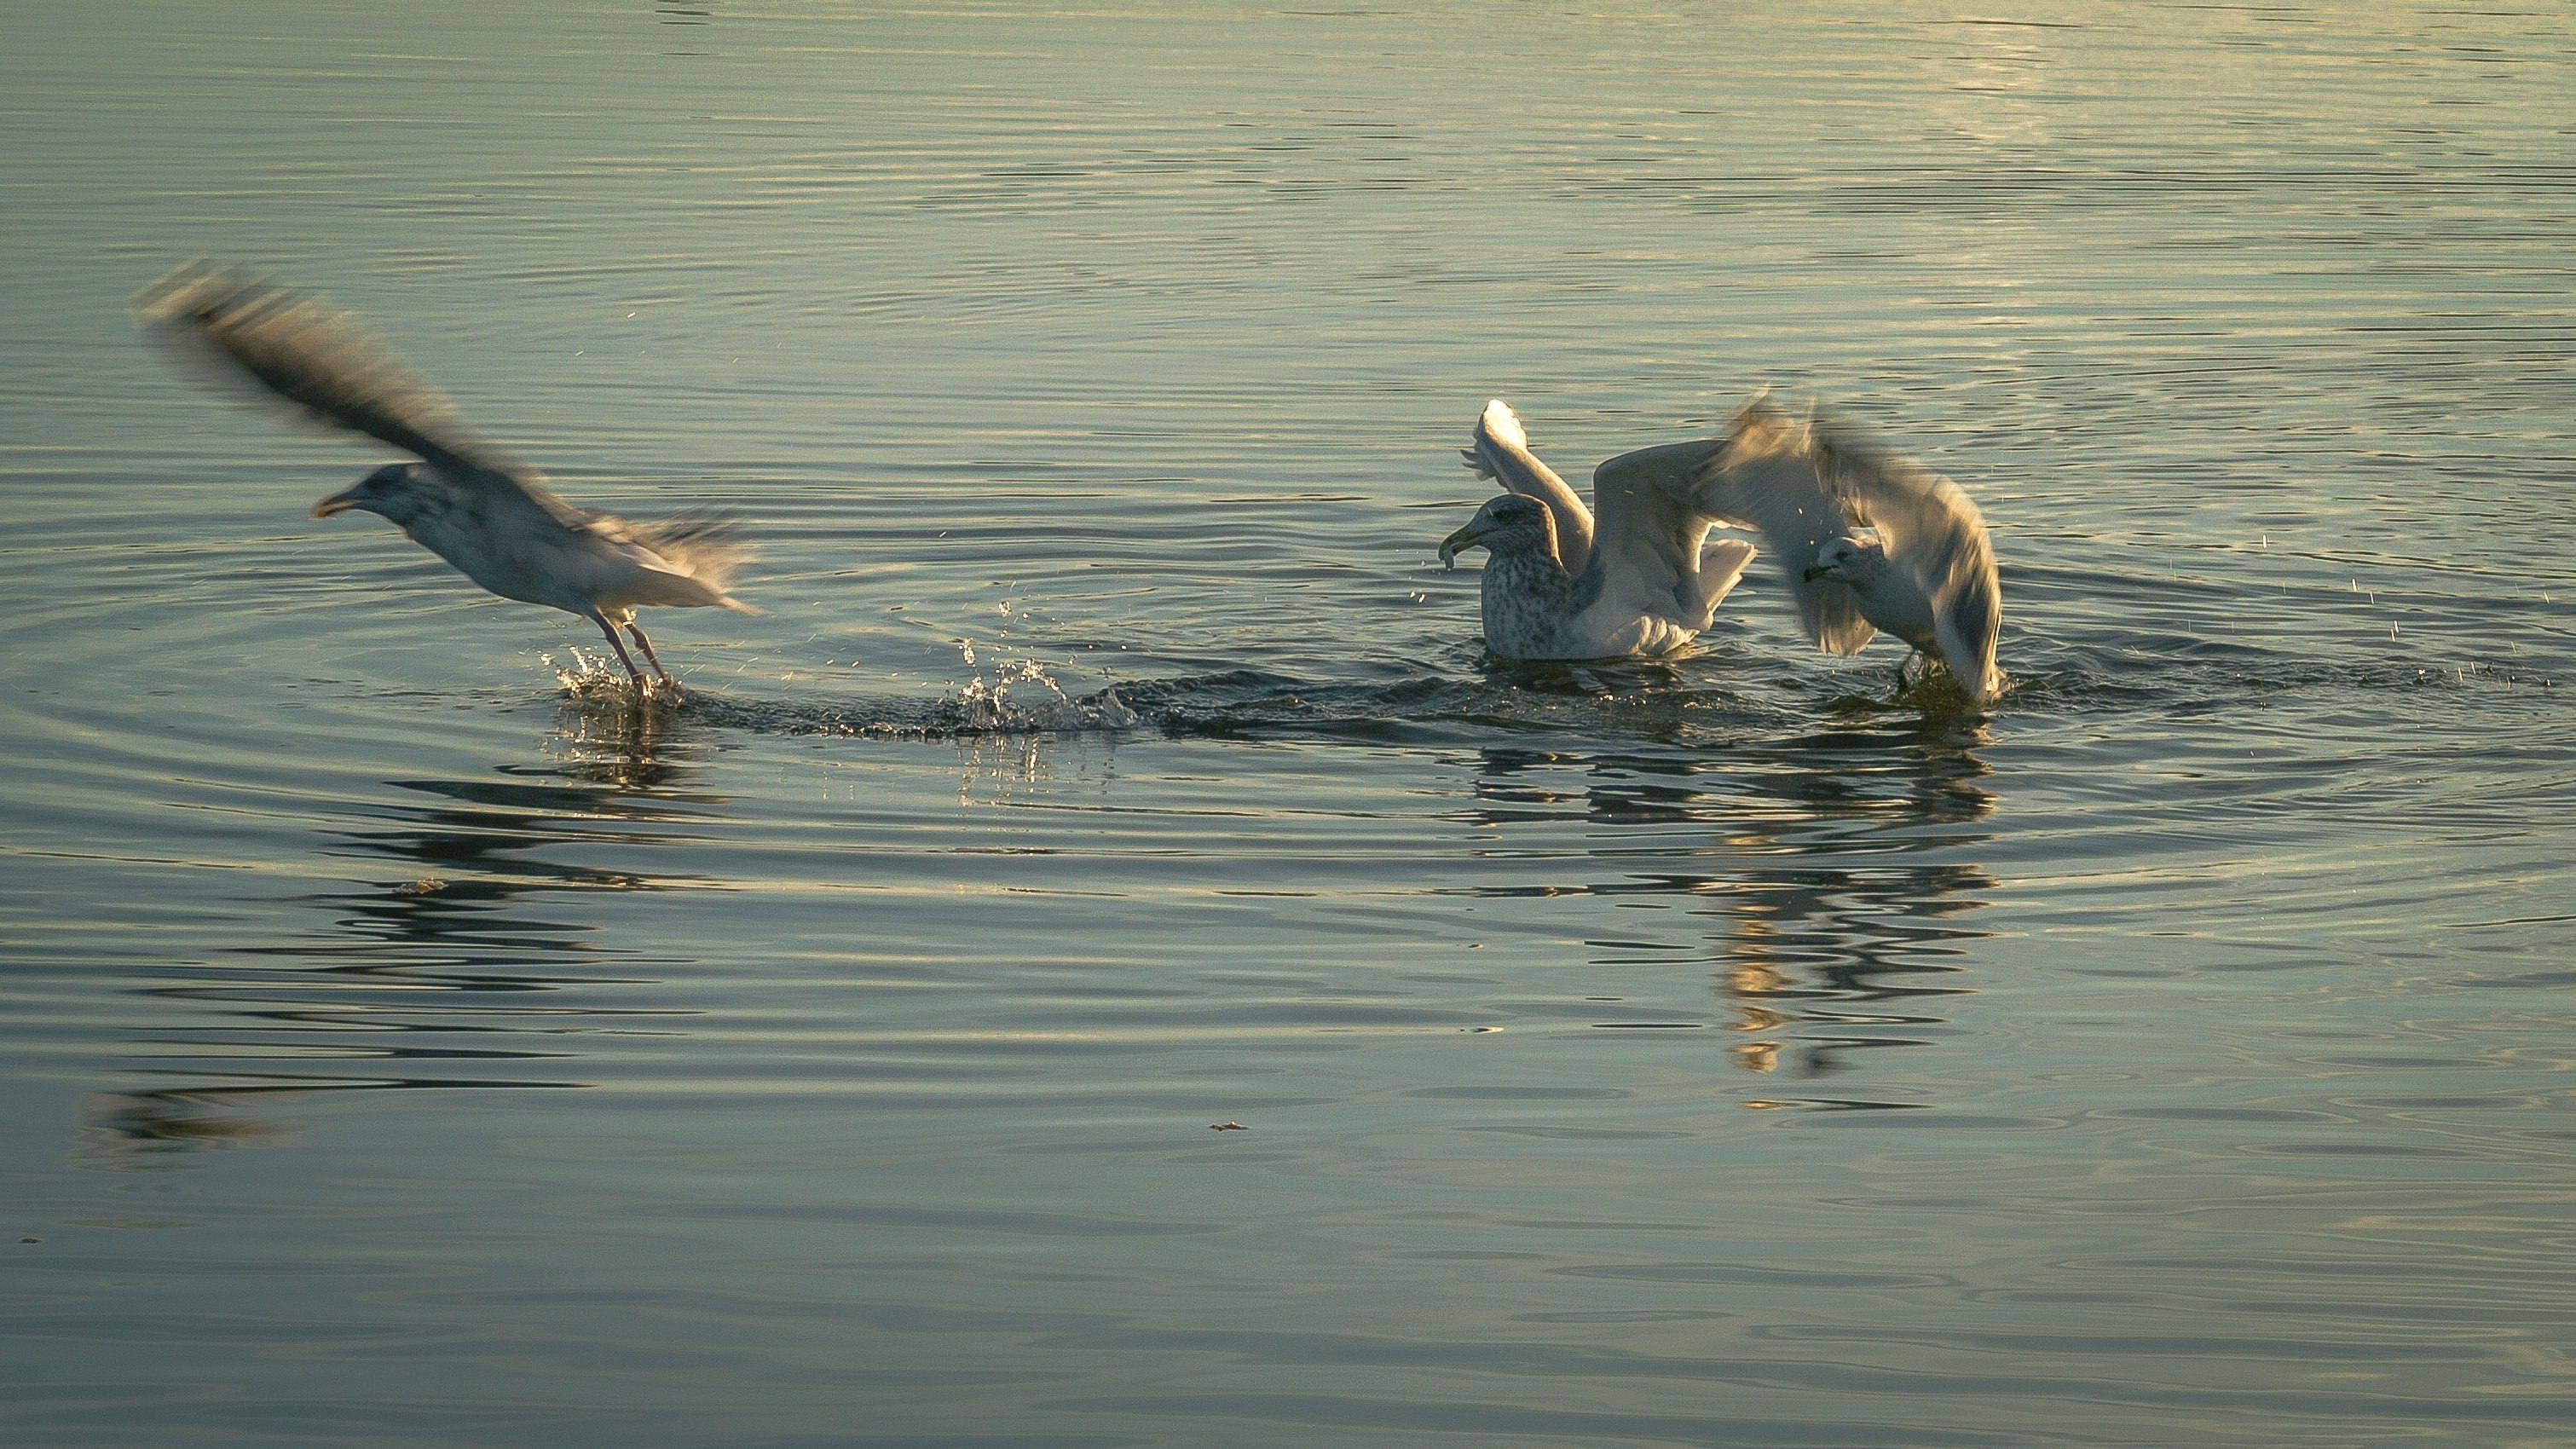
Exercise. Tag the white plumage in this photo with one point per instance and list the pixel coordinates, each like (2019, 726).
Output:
(466, 501)
(1637, 573)
(1640, 578)
(1927, 573)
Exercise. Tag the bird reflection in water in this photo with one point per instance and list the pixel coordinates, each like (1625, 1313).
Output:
(1031, 766)
(145, 1129)
(1829, 863)
(615, 740)
(460, 959)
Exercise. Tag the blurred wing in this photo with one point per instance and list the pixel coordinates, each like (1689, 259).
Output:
(325, 364)
(1650, 525)
(700, 545)
(1501, 452)
(1967, 633)
(1764, 477)
(1934, 534)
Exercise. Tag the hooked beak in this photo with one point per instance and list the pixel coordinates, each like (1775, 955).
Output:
(340, 502)
(1463, 538)
(1818, 571)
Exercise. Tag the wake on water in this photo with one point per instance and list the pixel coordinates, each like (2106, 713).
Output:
(1015, 698)
(1708, 699)
(1639, 701)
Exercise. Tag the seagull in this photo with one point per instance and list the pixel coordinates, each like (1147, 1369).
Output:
(1561, 587)
(1926, 573)
(1642, 577)
(470, 503)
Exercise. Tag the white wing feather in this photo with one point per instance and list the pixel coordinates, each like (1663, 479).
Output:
(1933, 534)
(1501, 452)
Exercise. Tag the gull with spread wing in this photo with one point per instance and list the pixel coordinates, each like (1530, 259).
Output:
(1566, 584)
(1926, 571)
(1634, 574)
(466, 501)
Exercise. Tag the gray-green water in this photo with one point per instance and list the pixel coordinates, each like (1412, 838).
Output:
(401, 1048)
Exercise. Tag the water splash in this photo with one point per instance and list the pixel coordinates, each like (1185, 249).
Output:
(995, 704)
(595, 677)
(1014, 699)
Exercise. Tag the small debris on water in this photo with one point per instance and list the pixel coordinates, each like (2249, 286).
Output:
(1227, 1127)
(426, 885)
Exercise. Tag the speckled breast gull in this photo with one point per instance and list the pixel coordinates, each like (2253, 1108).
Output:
(1634, 574)
(1565, 584)
(466, 501)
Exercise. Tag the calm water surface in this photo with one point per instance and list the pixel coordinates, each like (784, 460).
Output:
(403, 1045)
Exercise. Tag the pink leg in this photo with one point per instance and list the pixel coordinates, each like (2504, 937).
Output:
(655, 659)
(622, 656)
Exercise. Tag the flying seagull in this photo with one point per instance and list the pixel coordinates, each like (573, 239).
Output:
(1635, 574)
(470, 503)
(1565, 586)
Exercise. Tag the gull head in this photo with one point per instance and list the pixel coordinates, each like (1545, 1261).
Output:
(1848, 560)
(401, 492)
(1506, 525)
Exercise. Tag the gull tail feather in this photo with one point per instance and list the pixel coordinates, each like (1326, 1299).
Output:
(706, 548)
